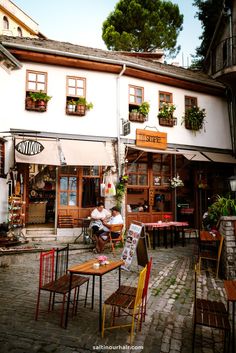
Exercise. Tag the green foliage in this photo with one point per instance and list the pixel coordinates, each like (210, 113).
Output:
(39, 96)
(223, 206)
(208, 14)
(121, 189)
(83, 101)
(144, 108)
(194, 117)
(166, 110)
(138, 25)
(71, 102)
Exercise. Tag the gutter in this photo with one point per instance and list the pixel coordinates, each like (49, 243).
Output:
(14, 63)
(118, 117)
(109, 61)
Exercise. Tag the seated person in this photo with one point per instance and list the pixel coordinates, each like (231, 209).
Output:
(102, 238)
(98, 215)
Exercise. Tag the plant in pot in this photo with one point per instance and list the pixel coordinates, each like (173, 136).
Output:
(223, 206)
(70, 106)
(82, 106)
(140, 113)
(40, 98)
(194, 119)
(165, 115)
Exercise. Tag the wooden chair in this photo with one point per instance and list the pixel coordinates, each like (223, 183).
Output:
(54, 279)
(212, 256)
(115, 228)
(128, 290)
(210, 314)
(125, 302)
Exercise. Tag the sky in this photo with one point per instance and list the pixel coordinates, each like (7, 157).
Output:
(80, 22)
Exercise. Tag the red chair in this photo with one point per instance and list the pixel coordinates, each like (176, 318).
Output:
(55, 280)
(128, 290)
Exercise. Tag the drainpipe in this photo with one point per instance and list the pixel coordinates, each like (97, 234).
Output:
(118, 117)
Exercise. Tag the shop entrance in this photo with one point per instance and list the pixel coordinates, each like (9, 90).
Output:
(41, 195)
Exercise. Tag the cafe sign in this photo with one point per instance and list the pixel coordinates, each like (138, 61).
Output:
(151, 139)
(29, 147)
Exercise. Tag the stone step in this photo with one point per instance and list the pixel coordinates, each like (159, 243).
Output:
(40, 234)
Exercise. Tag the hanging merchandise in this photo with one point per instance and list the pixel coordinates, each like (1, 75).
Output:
(103, 188)
(110, 189)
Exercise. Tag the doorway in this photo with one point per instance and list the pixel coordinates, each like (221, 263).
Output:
(41, 195)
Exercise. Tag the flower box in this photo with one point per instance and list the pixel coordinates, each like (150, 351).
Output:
(39, 106)
(137, 117)
(167, 121)
(189, 126)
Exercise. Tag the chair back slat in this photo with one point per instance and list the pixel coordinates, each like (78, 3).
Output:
(116, 228)
(62, 258)
(139, 292)
(145, 289)
(46, 269)
(220, 247)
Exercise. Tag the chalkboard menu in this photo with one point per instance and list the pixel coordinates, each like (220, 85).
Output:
(135, 243)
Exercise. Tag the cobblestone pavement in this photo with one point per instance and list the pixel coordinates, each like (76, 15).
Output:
(167, 329)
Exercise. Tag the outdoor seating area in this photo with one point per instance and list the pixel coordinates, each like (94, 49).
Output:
(165, 307)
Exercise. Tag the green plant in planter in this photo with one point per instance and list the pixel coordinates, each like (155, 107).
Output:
(223, 206)
(82, 101)
(39, 96)
(194, 118)
(166, 110)
(144, 108)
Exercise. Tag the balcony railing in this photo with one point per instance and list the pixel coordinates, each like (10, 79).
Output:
(224, 55)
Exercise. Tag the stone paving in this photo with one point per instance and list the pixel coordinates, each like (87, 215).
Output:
(167, 329)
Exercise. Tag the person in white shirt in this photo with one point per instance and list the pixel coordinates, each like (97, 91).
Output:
(98, 215)
(102, 238)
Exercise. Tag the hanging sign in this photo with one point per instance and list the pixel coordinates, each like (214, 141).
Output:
(29, 147)
(152, 139)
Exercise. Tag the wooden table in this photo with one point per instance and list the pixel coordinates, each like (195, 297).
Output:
(230, 288)
(87, 268)
(174, 228)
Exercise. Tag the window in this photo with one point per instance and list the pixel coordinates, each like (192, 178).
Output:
(68, 190)
(5, 23)
(138, 174)
(135, 95)
(190, 102)
(19, 32)
(36, 81)
(165, 97)
(1, 158)
(75, 100)
(76, 86)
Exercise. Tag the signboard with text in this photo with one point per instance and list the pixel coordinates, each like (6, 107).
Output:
(151, 139)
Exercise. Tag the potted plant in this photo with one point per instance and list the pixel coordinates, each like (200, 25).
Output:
(165, 115)
(140, 113)
(194, 118)
(40, 99)
(82, 106)
(70, 106)
(223, 206)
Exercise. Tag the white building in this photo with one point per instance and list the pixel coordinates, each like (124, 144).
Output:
(80, 152)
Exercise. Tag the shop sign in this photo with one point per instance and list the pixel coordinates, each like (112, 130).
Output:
(151, 139)
(29, 147)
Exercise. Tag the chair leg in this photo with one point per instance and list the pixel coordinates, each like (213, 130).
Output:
(103, 319)
(86, 294)
(62, 309)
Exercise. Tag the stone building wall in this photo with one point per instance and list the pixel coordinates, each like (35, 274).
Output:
(228, 259)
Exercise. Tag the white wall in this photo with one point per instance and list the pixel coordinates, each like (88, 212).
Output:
(217, 134)
(101, 91)
(102, 119)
